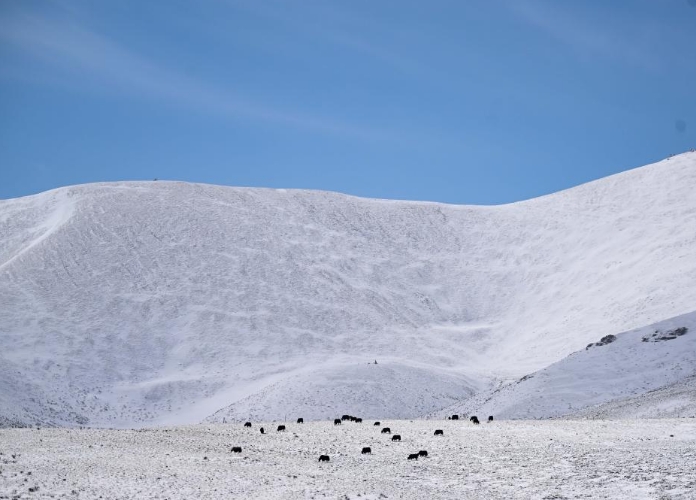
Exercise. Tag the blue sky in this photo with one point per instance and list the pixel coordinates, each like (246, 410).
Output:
(477, 102)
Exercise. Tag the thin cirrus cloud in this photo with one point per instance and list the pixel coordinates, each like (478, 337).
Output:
(340, 28)
(632, 46)
(83, 52)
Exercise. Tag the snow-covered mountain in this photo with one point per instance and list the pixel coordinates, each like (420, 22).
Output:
(166, 302)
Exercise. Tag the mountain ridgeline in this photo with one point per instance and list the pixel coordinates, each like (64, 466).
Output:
(144, 303)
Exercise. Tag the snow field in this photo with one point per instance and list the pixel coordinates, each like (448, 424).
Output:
(503, 460)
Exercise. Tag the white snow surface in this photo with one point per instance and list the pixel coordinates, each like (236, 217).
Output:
(633, 459)
(142, 303)
(645, 373)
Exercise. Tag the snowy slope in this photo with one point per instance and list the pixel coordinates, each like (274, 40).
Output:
(647, 372)
(151, 302)
(671, 401)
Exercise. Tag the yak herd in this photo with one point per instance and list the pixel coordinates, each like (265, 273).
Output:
(367, 450)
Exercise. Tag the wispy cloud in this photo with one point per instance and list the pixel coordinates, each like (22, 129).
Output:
(87, 54)
(585, 36)
(328, 24)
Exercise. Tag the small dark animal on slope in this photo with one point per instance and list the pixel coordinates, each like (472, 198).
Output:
(475, 419)
(423, 453)
(455, 417)
(366, 449)
(300, 420)
(377, 423)
(358, 420)
(337, 421)
(396, 437)
(281, 428)
(490, 418)
(262, 431)
(386, 430)
(248, 424)
(438, 432)
(345, 417)
(236, 449)
(323, 458)
(413, 456)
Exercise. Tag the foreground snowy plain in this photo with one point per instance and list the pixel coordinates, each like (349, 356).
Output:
(550, 459)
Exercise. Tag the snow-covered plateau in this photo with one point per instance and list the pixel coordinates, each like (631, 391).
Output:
(138, 304)
(544, 459)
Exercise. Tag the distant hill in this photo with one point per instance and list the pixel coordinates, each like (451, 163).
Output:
(140, 303)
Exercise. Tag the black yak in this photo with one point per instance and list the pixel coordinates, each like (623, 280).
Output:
(475, 420)
(377, 423)
(413, 456)
(236, 449)
(423, 453)
(455, 417)
(300, 420)
(386, 430)
(366, 449)
(438, 432)
(248, 424)
(281, 428)
(323, 458)
(396, 437)
(358, 420)
(345, 417)
(490, 418)
(262, 431)
(337, 421)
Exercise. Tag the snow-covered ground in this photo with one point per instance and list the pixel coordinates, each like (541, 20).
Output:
(645, 373)
(141, 303)
(678, 399)
(504, 460)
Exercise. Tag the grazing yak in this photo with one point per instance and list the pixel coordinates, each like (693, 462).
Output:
(337, 421)
(323, 458)
(281, 428)
(386, 430)
(346, 417)
(377, 423)
(236, 449)
(396, 437)
(366, 449)
(423, 453)
(262, 431)
(475, 419)
(300, 420)
(248, 424)
(438, 432)
(455, 417)
(490, 418)
(358, 420)
(413, 456)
